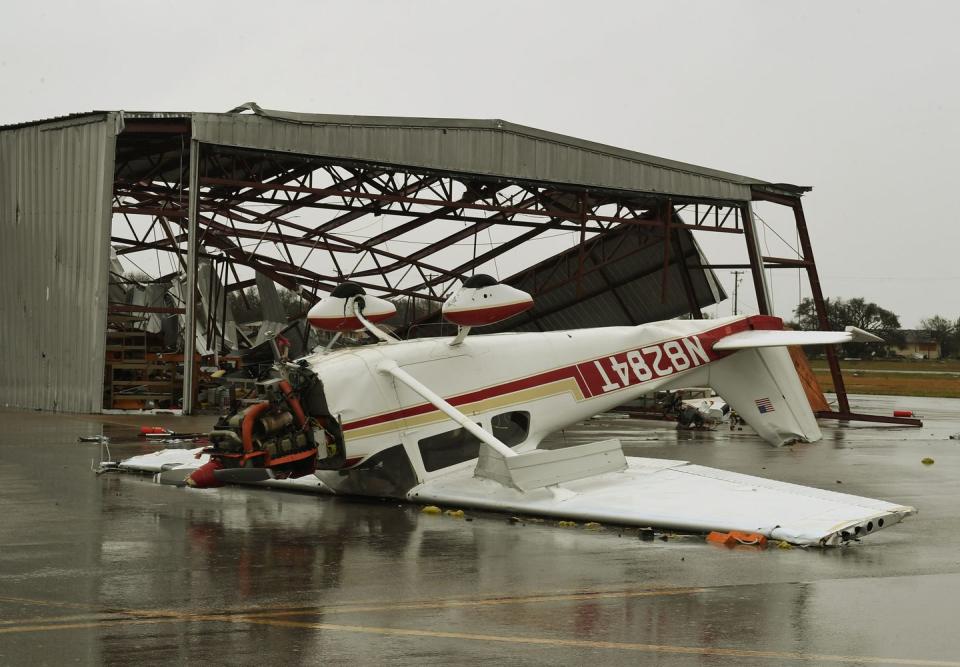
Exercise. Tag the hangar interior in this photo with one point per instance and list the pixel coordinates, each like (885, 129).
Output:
(215, 203)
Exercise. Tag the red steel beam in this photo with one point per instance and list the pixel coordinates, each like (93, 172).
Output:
(429, 217)
(665, 218)
(356, 213)
(349, 194)
(756, 264)
(807, 249)
(346, 245)
(843, 402)
(860, 417)
(787, 262)
(209, 223)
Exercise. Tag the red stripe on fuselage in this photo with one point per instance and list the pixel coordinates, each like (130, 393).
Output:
(478, 395)
(588, 374)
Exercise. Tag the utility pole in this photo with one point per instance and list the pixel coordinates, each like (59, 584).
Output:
(736, 288)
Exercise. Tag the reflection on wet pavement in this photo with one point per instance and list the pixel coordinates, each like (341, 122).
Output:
(118, 570)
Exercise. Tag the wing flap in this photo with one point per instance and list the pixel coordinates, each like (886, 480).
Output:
(541, 467)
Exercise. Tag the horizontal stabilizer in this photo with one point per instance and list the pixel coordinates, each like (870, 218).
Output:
(765, 338)
(861, 336)
(547, 467)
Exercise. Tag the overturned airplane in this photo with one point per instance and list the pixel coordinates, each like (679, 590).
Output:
(457, 421)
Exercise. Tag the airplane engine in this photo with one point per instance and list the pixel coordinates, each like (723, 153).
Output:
(288, 435)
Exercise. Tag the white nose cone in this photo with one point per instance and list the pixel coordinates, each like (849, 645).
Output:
(338, 310)
(482, 300)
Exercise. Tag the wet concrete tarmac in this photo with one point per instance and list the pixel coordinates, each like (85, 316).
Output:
(118, 570)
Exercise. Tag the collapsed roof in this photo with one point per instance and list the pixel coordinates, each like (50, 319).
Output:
(294, 196)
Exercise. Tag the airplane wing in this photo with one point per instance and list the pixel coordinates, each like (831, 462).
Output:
(682, 496)
(640, 492)
(596, 482)
(764, 338)
(173, 466)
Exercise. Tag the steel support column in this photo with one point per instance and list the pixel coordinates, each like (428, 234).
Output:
(686, 278)
(190, 321)
(838, 387)
(756, 262)
(665, 213)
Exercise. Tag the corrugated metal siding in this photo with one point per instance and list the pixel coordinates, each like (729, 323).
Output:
(625, 292)
(55, 187)
(508, 151)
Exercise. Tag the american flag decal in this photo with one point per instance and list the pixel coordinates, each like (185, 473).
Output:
(764, 405)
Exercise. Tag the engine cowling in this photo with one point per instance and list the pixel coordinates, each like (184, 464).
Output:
(482, 300)
(338, 310)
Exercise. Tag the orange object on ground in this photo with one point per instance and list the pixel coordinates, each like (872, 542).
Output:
(735, 537)
(721, 538)
(903, 413)
(748, 538)
(152, 429)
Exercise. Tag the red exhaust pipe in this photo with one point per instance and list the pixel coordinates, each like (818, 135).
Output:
(203, 477)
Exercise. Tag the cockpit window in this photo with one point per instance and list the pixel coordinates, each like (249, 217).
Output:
(449, 448)
(511, 428)
(459, 445)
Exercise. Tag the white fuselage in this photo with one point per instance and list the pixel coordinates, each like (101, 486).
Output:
(559, 378)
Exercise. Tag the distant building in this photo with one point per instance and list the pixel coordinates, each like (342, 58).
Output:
(917, 344)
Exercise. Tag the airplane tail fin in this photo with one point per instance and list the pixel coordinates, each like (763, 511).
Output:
(759, 379)
(762, 385)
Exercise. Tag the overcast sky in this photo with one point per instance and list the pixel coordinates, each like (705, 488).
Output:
(858, 99)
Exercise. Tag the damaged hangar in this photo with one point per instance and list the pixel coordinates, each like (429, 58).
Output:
(406, 207)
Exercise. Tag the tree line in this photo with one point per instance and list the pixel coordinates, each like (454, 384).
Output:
(878, 321)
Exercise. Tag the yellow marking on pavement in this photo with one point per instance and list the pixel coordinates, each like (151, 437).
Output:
(623, 646)
(334, 609)
(56, 619)
(483, 602)
(96, 624)
(493, 598)
(141, 616)
(45, 603)
(268, 618)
